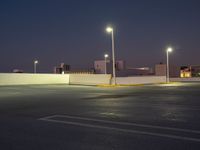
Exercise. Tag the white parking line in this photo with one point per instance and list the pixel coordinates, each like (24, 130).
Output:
(90, 125)
(123, 123)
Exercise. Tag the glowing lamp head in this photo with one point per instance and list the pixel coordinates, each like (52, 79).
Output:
(169, 49)
(109, 29)
(106, 55)
(36, 62)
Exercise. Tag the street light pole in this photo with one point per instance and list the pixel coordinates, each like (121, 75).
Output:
(106, 56)
(167, 75)
(110, 30)
(35, 66)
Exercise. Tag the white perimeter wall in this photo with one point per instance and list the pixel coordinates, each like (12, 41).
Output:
(89, 79)
(22, 79)
(76, 79)
(185, 79)
(141, 80)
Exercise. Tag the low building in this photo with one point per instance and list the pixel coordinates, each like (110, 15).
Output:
(190, 71)
(185, 72)
(18, 71)
(102, 66)
(161, 70)
(63, 68)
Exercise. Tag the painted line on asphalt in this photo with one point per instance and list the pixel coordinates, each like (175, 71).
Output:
(90, 125)
(124, 123)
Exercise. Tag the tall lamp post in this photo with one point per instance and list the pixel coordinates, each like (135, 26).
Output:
(35, 65)
(110, 30)
(105, 57)
(169, 50)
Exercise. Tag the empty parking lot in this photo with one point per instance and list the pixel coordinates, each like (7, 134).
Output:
(64, 117)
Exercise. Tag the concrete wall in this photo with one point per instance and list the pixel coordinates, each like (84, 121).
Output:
(140, 80)
(76, 79)
(89, 79)
(185, 79)
(22, 79)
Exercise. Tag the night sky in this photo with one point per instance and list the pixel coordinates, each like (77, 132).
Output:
(73, 31)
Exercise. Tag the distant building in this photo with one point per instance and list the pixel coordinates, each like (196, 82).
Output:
(17, 71)
(100, 65)
(185, 72)
(141, 71)
(63, 68)
(121, 69)
(190, 71)
(161, 70)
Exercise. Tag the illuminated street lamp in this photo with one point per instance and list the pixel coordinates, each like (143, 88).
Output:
(35, 65)
(110, 30)
(169, 50)
(105, 57)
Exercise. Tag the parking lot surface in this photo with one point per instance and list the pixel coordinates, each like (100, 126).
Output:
(60, 117)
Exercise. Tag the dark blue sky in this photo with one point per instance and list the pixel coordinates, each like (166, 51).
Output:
(73, 31)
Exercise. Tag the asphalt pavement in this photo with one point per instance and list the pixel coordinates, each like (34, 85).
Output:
(63, 117)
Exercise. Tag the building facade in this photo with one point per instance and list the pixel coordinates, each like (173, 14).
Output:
(189, 71)
(102, 66)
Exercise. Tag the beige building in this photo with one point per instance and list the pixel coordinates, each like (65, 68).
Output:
(100, 66)
(161, 70)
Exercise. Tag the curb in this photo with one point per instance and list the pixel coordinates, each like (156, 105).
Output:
(119, 85)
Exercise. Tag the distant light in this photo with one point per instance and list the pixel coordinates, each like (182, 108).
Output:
(109, 29)
(144, 68)
(169, 49)
(106, 55)
(36, 61)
